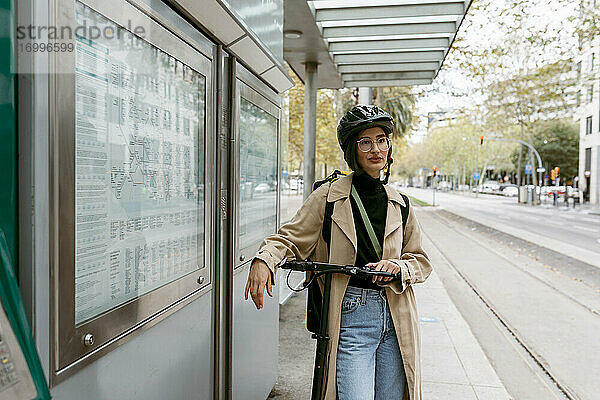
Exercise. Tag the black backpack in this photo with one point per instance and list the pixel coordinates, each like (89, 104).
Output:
(315, 298)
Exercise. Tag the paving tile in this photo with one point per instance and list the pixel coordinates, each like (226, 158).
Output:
(491, 393)
(434, 333)
(477, 366)
(440, 363)
(447, 391)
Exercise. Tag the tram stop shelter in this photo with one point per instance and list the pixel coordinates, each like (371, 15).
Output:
(365, 44)
(142, 168)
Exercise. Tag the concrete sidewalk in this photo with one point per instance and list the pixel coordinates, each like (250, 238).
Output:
(454, 366)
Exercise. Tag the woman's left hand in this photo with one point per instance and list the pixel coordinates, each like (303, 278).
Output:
(384, 265)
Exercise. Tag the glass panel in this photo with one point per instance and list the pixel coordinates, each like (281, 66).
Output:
(291, 182)
(258, 174)
(139, 165)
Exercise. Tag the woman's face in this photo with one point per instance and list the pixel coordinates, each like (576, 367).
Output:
(374, 160)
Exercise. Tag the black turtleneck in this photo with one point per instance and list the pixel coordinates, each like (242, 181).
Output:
(374, 199)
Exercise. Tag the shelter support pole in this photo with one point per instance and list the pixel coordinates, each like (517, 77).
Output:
(310, 126)
(365, 95)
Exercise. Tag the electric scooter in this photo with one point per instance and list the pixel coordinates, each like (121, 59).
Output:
(318, 269)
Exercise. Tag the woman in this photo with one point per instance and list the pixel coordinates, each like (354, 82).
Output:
(373, 325)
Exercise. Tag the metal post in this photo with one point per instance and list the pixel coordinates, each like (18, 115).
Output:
(310, 126)
(477, 171)
(365, 95)
(531, 149)
(223, 273)
(520, 162)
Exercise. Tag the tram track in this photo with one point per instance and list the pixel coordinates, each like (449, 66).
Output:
(534, 358)
(557, 289)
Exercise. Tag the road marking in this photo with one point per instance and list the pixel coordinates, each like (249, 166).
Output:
(583, 228)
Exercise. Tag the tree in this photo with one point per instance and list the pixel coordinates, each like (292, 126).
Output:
(456, 151)
(557, 142)
(588, 20)
(525, 73)
(400, 103)
(327, 148)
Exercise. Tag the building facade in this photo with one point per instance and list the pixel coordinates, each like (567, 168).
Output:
(588, 114)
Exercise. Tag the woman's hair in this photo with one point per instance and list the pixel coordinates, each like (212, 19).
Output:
(351, 157)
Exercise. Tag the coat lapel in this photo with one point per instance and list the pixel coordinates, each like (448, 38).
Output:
(342, 211)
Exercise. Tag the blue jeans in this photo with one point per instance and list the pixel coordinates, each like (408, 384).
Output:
(369, 363)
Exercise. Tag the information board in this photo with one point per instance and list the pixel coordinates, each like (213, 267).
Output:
(258, 174)
(139, 168)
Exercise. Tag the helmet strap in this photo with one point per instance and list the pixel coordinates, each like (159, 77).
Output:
(388, 169)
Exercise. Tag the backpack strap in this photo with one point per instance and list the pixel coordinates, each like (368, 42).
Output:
(314, 296)
(326, 230)
(367, 222)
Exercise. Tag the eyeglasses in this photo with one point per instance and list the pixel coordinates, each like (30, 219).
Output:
(366, 144)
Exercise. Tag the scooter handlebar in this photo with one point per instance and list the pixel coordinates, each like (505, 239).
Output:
(313, 266)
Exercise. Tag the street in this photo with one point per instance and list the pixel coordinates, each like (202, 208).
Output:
(573, 233)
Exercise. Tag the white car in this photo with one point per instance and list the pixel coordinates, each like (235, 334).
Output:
(510, 191)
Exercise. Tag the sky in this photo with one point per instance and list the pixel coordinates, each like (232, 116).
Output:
(481, 29)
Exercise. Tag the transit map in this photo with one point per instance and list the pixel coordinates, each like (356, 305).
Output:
(139, 166)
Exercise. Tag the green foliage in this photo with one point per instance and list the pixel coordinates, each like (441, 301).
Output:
(327, 148)
(588, 21)
(455, 150)
(521, 76)
(557, 142)
(400, 103)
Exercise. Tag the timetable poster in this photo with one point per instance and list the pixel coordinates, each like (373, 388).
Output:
(139, 145)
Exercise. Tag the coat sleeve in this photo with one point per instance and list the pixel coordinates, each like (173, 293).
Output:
(298, 238)
(414, 262)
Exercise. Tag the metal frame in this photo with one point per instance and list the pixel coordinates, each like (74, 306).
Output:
(391, 10)
(344, 36)
(250, 88)
(112, 328)
(223, 280)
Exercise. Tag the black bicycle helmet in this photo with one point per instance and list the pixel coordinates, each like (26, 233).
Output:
(362, 117)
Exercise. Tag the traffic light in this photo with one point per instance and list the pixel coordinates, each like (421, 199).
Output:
(481, 139)
(557, 172)
(553, 174)
(434, 171)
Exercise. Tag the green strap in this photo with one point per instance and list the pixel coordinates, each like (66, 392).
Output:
(367, 222)
(15, 311)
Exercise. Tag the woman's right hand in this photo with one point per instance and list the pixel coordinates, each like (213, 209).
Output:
(258, 277)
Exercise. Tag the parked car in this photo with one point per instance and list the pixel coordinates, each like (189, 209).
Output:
(510, 191)
(490, 187)
(262, 188)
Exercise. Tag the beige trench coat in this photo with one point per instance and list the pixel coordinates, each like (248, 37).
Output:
(301, 238)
